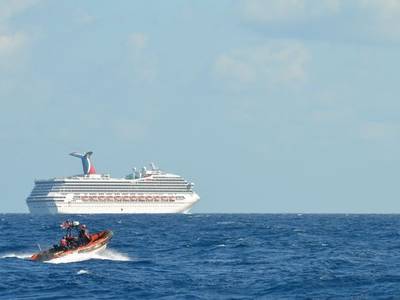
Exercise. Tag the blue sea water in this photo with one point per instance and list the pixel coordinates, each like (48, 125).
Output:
(209, 256)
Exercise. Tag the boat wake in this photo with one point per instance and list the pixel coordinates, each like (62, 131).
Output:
(106, 254)
(110, 254)
(17, 255)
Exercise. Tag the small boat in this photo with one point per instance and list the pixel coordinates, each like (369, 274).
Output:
(98, 241)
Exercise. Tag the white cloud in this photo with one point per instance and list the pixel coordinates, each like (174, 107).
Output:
(376, 131)
(84, 18)
(143, 59)
(129, 130)
(386, 7)
(11, 43)
(385, 16)
(11, 46)
(138, 40)
(326, 116)
(371, 19)
(235, 67)
(287, 10)
(264, 65)
(10, 8)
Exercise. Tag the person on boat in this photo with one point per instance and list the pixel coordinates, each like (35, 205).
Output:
(64, 244)
(84, 236)
(72, 241)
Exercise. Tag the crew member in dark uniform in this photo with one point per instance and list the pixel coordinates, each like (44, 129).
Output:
(84, 236)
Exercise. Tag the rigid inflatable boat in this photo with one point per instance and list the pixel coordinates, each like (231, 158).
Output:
(98, 241)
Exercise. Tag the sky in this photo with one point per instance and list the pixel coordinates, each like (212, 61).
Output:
(274, 106)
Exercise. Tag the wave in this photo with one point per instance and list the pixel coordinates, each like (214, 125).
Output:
(17, 255)
(110, 254)
(225, 222)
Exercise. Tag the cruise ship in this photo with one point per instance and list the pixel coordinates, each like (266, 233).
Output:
(143, 191)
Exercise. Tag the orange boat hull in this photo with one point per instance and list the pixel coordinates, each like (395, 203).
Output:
(97, 240)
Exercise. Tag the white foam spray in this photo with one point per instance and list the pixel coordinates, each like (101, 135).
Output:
(17, 255)
(106, 254)
(112, 255)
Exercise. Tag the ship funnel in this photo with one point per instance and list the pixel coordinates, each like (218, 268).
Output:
(88, 167)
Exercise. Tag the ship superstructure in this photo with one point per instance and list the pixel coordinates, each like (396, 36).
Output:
(145, 191)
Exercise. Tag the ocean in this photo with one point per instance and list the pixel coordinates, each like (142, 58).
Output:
(208, 256)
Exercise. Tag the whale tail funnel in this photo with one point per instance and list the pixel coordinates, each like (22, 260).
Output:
(88, 167)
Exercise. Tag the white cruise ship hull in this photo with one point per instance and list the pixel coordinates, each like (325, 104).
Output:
(55, 206)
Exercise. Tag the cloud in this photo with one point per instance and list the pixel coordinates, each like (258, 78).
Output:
(377, 131)
(375, 20)
(11, 8)
(287, 10)
(11, 43)
(84, 18)
(10, 47)
(384, 15)
(129, 130)
(282, 63)
(143, 59)
(138, 40)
